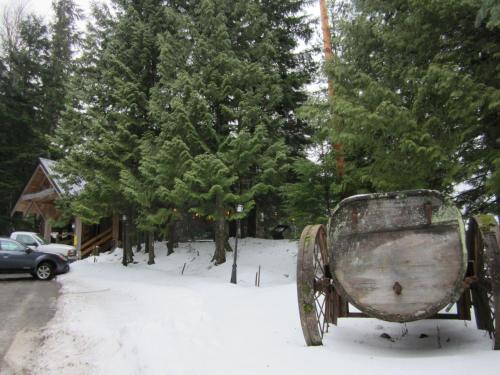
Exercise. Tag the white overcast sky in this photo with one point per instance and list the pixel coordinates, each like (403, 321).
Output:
(44, 7)
(41, 7)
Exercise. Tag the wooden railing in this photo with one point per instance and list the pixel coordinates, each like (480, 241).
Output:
(98, 240)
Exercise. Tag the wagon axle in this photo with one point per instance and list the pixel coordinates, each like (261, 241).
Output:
(324, 285)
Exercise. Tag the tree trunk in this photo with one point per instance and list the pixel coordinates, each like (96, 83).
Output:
(220, 233)
(129, 254)
(227, 245)
(147, 244)
(139, 244)
(150, 245)
(171, 237)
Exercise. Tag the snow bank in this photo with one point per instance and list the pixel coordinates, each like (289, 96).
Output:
(153, 320)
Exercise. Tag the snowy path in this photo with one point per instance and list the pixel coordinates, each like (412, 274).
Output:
(151, 320)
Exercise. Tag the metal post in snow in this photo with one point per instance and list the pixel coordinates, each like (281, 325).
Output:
(239, 209)
(124, 239)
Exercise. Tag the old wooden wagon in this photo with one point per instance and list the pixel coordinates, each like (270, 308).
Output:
(399, 257)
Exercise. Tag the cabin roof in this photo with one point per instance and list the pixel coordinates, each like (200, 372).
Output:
(43, 188)
(59, 183)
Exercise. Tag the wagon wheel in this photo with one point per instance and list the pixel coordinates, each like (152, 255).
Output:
(484, 251)
(314, 285)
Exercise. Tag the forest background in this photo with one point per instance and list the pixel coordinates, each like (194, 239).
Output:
(174, 109)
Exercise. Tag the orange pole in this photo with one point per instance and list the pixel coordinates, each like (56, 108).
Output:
(327, 49)
(327, 41)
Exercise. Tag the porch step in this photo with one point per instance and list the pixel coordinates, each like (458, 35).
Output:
(103, 240)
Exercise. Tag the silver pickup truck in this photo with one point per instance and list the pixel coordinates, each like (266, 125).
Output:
(36, 242)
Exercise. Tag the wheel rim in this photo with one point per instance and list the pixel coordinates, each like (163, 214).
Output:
(482, 294)
(314, 285)
(43, 271)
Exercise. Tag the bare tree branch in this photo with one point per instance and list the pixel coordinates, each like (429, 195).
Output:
(12, 16)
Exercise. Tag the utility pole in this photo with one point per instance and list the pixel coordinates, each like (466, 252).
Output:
(327, 50)
(327, 41)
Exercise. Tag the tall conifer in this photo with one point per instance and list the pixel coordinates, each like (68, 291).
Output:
(110, 108)
(24, 72)
(228, 69)
(417, 88)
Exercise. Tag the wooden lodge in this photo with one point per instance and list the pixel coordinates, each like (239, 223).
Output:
(39, 197)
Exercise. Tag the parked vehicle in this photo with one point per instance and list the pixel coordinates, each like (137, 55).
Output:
(18, 258)
(36, 242)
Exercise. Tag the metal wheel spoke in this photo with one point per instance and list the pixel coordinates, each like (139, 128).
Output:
(320, 305)
(320, 314)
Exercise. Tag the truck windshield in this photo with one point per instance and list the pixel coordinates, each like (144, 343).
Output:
(40, 240)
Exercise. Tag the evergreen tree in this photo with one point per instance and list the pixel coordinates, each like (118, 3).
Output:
(208, 185)
(216, 81)
(489, 13)
(315, 190)
(416, 101)
(24, 55)
(103, 127)
(228, 68)
(152, 188)
(64, 40)
(36, 61)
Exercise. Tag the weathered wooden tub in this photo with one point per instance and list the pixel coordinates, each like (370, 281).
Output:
(398, 257)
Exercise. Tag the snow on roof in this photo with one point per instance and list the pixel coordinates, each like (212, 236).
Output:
(60, 184)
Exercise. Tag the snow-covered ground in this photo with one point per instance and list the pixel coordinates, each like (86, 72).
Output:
(153, 320)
